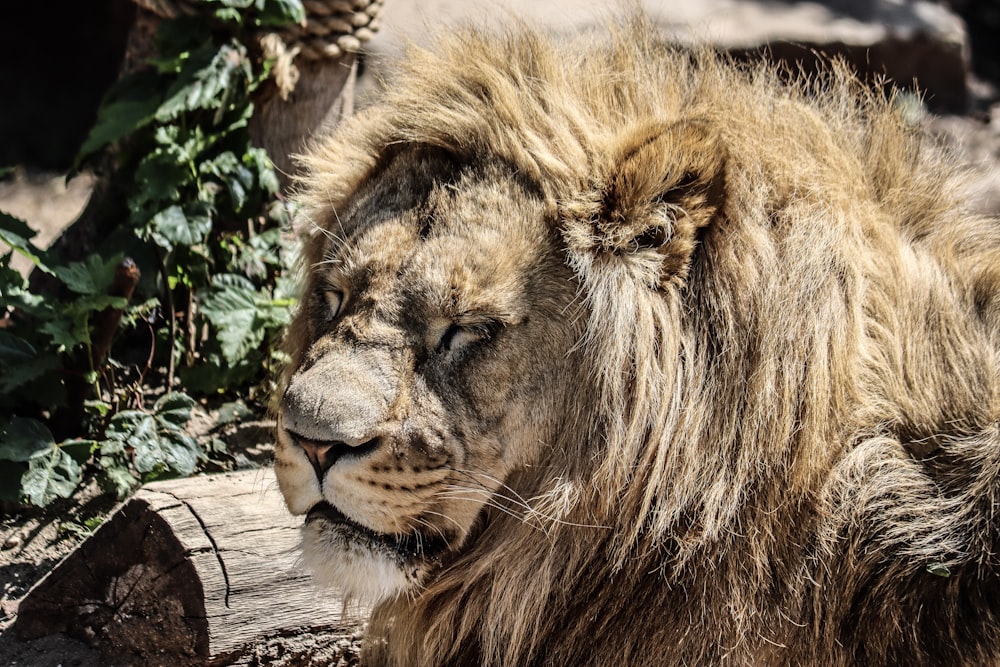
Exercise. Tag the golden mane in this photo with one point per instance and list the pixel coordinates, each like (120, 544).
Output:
(794, 402)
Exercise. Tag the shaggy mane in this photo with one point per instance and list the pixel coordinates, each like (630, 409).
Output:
(819, 313)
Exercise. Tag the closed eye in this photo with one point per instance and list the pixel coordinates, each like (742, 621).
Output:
(335, 300)
(458, 336)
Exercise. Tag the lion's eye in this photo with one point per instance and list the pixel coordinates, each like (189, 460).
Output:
(458, 336)
(335, 299)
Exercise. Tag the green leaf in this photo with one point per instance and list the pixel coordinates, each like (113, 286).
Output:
(91, 276)
(21, 439)
(233, 412)
(93, 523)
(159, 445)
(258, 159)
(158, 179)
(67, 332)
(222, 165)
(69, 324)
(9, 277)
(130, 105)
(17, 234)
(116, 478)
(175, 226)
(117, 433)
(280, 212)
(145, 443)
(171, 451)
(94, 303)
(282, 12)
(83, 528)
(97, 407)
(175, 39)
(10, 480)
(275, 314)
(14, 349)
(20, 363)
(238, 4)
(174, 408)
(227, 14)
(32, 304)
(17, 376)
(230, 304)
(80, 450)
(50, 475)
(237, 177)
(208, 80)
(260, 12)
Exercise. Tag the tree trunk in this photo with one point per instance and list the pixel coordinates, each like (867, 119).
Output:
(188, 572)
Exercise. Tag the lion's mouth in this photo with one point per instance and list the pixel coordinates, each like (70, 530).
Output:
(407, 548)
(324, 510)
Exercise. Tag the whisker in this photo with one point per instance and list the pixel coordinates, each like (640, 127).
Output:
(330, 235)
(333, 261)
(500, 484)
(443, 516)
(491, 502)
(518, 499)
(490, 498)
(340, 223)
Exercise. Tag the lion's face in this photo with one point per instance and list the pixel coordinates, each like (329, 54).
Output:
(434, 349)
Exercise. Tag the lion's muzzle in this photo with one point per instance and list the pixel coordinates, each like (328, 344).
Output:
(323, 455)
(333, 407)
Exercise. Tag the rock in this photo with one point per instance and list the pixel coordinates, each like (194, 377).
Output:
(906, 40)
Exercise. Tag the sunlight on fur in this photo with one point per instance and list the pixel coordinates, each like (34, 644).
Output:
(612, 352)
(356, 571)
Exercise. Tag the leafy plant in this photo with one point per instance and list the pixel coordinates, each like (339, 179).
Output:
(101, 368)
(47, 470)
(153, 444)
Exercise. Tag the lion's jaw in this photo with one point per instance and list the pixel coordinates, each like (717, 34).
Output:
(417, 389)
(348, 538)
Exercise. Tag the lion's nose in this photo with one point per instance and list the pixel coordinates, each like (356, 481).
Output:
(322, 455)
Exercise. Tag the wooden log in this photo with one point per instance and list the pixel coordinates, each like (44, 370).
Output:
(188, 572)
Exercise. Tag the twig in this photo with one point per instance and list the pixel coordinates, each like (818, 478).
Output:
(173, 319)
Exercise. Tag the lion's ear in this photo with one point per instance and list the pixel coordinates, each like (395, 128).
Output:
(660, 184)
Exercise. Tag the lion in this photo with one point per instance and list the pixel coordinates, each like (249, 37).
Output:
(616, 352)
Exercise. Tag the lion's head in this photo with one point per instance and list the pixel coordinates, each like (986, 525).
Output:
(421, 389)
(620, 353)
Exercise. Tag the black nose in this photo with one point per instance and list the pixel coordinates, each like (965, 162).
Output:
(324, 454)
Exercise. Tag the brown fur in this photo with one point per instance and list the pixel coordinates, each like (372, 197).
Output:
(740, 399)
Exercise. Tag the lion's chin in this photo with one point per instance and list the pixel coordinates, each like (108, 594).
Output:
(365, 566)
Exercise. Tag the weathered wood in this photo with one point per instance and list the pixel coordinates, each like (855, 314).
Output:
(187, 572)
(324, 95)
